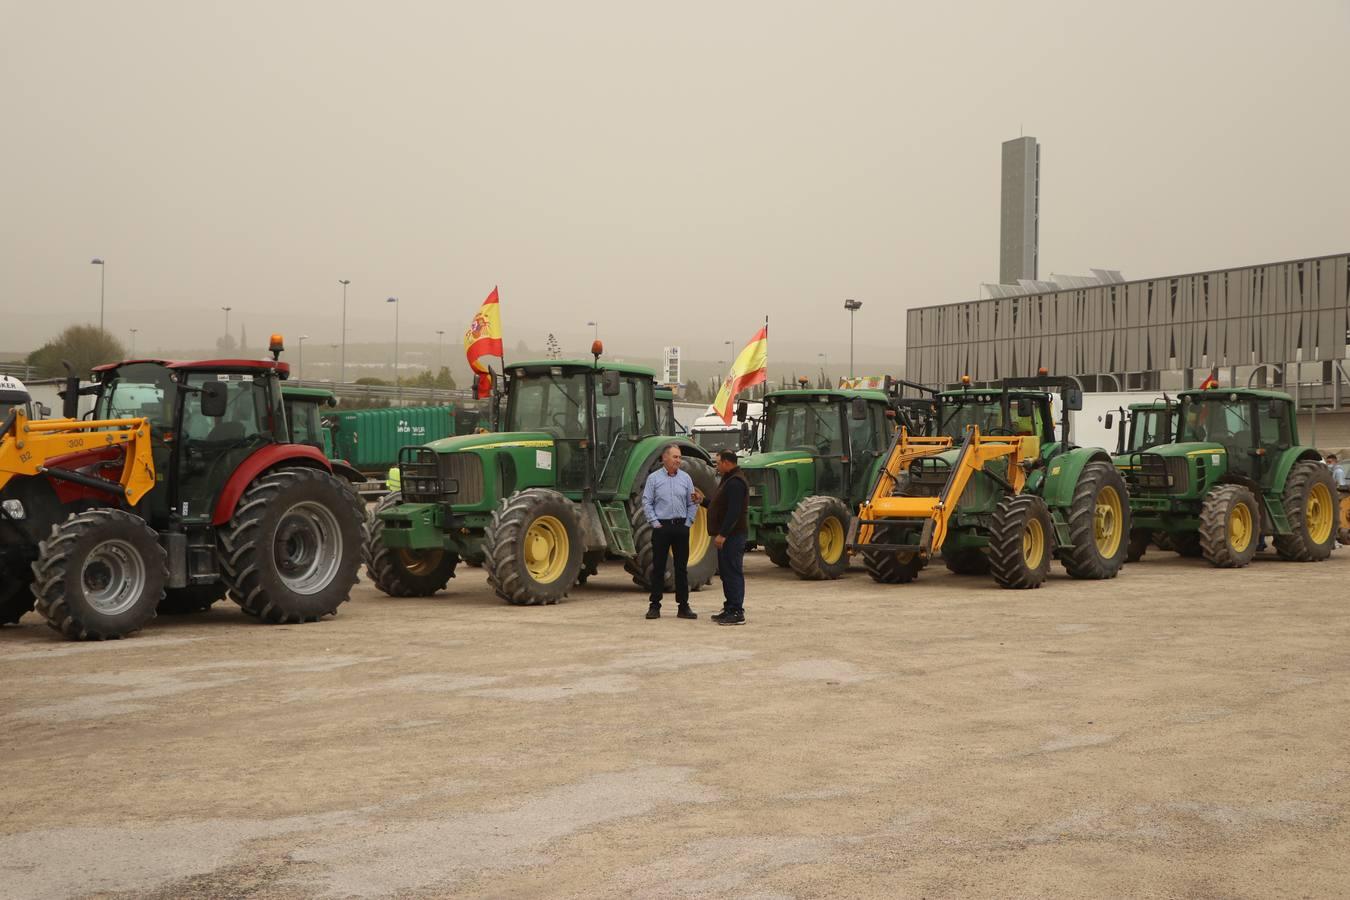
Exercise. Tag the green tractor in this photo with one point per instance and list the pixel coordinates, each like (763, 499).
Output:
(540, 503)
(820, 453)
(304, 419)
(1141, 427)
(1235, 472)
(1075, 492)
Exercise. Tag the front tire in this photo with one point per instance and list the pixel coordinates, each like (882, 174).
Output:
(1020, 538)
(1099, 523)
(1312, 505)
(533, 547)
(816, 539)
(100, 575)
(292, 550)
(891, 566)
(1230, 526)
(404, 573)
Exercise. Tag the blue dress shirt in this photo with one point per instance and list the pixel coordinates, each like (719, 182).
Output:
(667, 496)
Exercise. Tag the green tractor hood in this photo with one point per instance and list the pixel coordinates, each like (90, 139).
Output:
(492, 441)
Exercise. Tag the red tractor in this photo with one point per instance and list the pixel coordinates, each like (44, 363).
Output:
(230, 506)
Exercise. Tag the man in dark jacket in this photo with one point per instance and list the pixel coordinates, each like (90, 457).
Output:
(726, 523)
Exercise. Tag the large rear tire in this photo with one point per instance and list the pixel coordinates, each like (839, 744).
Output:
(891, 566)
(534, 547)
(404, 573)
(967, 561)
(194, 598)
(16, 593)
(292, 549)
(1020, 538)
(99, 575)
(817, 539)
(1312, 505)
(1230, 526)
(702, 552)
(1099, 523)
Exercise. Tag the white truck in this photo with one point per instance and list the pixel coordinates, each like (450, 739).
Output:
(712, 434)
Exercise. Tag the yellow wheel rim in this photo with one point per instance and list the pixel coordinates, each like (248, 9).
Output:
(546, 549)
(420, 562)
(1318, 515)
(831, 540)
(1106, 522)
(1239, 527)
(1033, 544)
(699, 539)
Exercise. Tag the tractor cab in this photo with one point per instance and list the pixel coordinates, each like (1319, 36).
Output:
(304, 416)
(1145, 425)
(14, 396)
(665, 411)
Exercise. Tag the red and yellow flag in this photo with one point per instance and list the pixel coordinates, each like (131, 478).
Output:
(1212, 381)
(750, 368)
(484, 338)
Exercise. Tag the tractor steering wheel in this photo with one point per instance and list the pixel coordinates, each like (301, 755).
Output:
(1001, 431)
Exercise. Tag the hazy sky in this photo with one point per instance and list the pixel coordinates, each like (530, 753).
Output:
(675, 170)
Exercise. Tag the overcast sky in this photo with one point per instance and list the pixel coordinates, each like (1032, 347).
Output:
(675, 170)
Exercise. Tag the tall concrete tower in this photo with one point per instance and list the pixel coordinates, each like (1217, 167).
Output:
(1019, 236)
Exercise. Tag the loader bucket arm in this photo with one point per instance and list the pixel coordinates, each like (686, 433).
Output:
(932, 514)
(29, 448)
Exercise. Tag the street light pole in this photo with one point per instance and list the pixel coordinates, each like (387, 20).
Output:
(227, 319)
(440, 358)
(334, 348)
(133, 342)
(852, 306)
(398, 385)
(300, 369)
(342, 367)
(102, 276)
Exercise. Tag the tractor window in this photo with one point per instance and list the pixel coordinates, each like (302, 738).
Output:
(713, 441)
(306, 428)
(958, 415)
(548, 402)
(1273, 423)
(137, 391)
(812, 426)
(1218, 421)
(1148, 428)
(869, 435)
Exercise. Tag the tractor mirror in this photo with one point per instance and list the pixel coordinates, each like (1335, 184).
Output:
(610, 383)
(44, 411)
(858, 408)
(1073, 399)
(215, 397)
(1110, 420)
(1026, 407)
(742, 410)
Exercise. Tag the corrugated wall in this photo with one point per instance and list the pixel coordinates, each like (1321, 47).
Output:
(1234, 317)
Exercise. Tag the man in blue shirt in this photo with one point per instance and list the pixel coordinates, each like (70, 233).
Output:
(668, 502)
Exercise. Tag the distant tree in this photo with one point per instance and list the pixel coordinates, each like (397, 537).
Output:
(554, 349)
(243, 339)
(376, 382)
(226, 344)
(83, 346)
(693, 392)
(522, 350)
(424, 379)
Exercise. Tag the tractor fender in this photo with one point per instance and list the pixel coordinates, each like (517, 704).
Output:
(348, 471)
(647, 453)
(270, 457)
(1061, 474)
(1280, 474)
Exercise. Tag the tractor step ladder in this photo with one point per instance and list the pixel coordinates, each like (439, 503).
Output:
(931, 515)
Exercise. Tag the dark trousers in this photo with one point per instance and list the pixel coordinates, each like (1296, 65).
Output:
(730, 564)
(672, 538)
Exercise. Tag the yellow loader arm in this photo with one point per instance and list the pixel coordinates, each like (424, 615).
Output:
(27, 447)
(932, 514)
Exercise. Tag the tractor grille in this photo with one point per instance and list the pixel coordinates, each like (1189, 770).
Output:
(763, 485)
(431, 477)
(1158, 474)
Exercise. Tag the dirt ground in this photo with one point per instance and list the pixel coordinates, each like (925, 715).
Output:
(1177, 732)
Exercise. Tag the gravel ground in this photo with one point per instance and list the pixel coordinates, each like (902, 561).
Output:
(1180, 731)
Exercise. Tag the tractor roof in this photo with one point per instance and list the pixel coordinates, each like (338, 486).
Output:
(1152, 404)
(1219, 393)
(832, 393)
(206, 365)
(625, 368)
(958, 393)
(663, 392)
(323, 395)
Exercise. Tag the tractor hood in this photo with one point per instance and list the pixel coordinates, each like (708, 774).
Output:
(777, 459)
(1190, 448)
(492, 441)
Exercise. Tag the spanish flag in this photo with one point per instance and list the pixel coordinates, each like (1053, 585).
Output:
(1212, 381)
(484, 338)
(750, 368)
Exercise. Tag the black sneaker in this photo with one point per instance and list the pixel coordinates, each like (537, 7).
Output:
(653, 612)
(686, 613)
(736, 617)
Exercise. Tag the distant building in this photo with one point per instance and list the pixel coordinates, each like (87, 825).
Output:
(1019, 232)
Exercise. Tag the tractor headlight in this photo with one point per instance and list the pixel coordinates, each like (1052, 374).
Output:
(14, 509)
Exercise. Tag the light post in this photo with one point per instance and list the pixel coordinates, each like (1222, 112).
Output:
(342, 367)
(102, 275)
(596, 326)
(398, 385)
(334, 348)
(133, 342)
(227, 319)
(852, 306)
(824, 364)
(300, 369)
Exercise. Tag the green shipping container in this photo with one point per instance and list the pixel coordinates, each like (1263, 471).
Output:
(370, 439)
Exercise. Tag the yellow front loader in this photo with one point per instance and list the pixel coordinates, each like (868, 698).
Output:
(903, 523)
